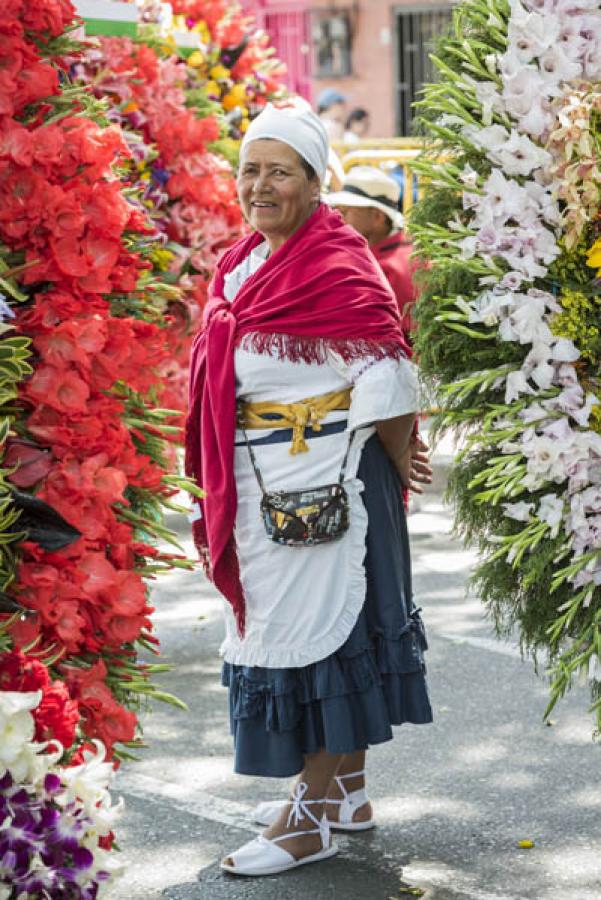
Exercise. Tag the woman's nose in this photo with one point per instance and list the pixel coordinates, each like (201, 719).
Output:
(261, 182)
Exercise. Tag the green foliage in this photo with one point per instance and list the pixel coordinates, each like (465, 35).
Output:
(526, 566)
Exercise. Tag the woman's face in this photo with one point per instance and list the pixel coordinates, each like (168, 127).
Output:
(275, 192)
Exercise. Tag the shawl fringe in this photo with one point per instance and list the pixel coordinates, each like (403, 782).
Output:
(298, 348)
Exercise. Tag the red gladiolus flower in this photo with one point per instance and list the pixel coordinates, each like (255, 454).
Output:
(106, 841)
(51, 16)
(70, 626)
(16, 142)
(57, 715)
(47, 145)
(72, 342)
(60, 388)
(32, 464)
(21, 673)
(114, 724)
(34, 83)
(25, 630)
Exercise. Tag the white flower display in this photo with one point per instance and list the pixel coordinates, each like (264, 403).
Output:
(35, 786)
(518, 206)
(17, 729)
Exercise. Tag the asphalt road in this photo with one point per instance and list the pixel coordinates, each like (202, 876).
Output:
(452, 799)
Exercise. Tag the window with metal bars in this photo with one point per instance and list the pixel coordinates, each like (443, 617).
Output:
(416, 34)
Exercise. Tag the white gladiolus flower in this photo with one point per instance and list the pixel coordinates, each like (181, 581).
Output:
(526, 323)
(90, 780)
(503, 198)
(469, 176)
(556, 67)
(550, 511)
(489, 307)
(583, 415)
(533, 413)
(560, 430)
(591, 497)
(518, 155)
(512, 280)
(542, 196)
(12, 702)
(488, 138)
(515, 385)
(537, 365)
(522, 89)
(519, 511)
(544, 462)
(592, 51)
(570, 40)
(17, 726)
(564, 350)
(530, 33)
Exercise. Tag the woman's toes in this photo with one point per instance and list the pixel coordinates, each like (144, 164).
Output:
(228, 861)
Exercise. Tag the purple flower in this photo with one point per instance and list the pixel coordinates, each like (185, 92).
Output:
(160, 175)
(82, 858)
(52, 783)
(6, 781)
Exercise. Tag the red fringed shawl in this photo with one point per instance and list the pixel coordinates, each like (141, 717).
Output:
(321, 289)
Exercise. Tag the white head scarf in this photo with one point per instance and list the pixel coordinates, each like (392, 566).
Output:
(296, 125)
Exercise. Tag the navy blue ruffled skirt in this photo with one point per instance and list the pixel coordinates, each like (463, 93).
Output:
(376, 679)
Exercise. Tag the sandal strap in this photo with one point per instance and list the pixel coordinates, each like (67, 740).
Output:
(300, 807)
(350, 775)
(283, 837)
(339, 779)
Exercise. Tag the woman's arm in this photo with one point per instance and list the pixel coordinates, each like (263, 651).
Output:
(395, 435)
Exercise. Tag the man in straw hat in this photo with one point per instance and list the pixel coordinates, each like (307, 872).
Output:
(369, 203)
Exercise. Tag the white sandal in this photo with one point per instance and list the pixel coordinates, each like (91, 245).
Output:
(263, 856)
(349, 804)
(267, 812)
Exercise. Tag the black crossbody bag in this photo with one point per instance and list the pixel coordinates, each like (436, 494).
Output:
(304, 517)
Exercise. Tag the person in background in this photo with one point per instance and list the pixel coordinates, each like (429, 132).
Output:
(357, 125)
(368, 202)
(331, 109)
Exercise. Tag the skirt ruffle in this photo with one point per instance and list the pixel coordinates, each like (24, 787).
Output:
(376, 679)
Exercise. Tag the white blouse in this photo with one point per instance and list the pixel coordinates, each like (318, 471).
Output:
(302, 602)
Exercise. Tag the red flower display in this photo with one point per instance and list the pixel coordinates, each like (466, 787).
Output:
(80, 247)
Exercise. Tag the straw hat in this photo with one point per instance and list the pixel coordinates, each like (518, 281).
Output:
(367, 186)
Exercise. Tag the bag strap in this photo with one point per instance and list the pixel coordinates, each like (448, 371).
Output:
(257, 471)
(346, 455)
(253, 459)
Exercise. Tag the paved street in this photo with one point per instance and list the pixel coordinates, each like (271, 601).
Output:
(452, 799)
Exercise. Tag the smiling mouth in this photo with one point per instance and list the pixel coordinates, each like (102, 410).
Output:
(262, 205)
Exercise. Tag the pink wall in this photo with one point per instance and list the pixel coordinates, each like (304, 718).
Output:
(371, 83)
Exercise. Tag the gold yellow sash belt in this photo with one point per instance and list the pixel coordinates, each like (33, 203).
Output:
(297, 416)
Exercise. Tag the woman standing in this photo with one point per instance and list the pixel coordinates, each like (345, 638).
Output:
(301, 380)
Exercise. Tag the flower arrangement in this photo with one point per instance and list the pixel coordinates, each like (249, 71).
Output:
(182, 118)
(234, 58)
(509, 339)
(87, 460)
(56, 822)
